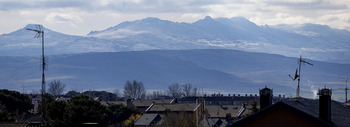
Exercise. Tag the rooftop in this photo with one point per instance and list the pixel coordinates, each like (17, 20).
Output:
(148, 119)
(217, 111)
(173, 107)
(340, 113)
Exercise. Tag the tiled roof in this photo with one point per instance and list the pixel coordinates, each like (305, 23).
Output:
(340, 113)
(146, 103)
(113, 102)
(149, 119)
(146, 119)
(173, 107)
(217, 111)
(220, 98)
(280, 105)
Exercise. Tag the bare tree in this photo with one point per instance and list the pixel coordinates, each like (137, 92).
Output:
(195, 92)
(156, 94)
(117, 92)
(56, 87)
(187, 89)
(134, 90)
(34, 91)
(175, 90)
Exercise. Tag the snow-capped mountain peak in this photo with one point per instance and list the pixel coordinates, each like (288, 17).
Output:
(314, 41)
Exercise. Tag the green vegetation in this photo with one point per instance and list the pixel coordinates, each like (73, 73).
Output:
(118, 113)
(131, 120)
(84, 109)
(79, 109)
(56, 112)
(102, 95)
(72, 93)
(13, 105)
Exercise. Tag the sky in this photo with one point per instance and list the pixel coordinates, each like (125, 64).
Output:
(79, 17)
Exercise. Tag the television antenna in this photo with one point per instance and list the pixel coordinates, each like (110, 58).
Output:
(40, 33)
(346, 90)
(298, 75)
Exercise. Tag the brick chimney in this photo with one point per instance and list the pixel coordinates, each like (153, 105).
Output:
(325, 104)
(265, 97)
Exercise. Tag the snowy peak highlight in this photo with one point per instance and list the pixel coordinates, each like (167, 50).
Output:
(127, 29)
(22, 42)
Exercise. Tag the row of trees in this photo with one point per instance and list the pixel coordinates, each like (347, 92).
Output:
(136, 90)
(132, 89)
(185, 90)
(15, 106)
(84, 109)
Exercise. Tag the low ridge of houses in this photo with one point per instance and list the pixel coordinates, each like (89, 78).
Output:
(236, 110)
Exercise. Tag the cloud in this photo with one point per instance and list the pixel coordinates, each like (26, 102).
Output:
(7, 5)
(122, 6)
(87, 15)
(63, 17)
(170, 6)
(48, 78)
(309, 4)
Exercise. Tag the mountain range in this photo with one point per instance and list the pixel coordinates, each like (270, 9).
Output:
(317, 42)
(218, 55)
(214, 70)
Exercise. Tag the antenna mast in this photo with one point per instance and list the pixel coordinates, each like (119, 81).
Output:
(40, 33)
(297, 76)
(346, 90)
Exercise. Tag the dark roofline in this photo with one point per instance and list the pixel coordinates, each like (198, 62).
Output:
(145, 121)
(283, 106)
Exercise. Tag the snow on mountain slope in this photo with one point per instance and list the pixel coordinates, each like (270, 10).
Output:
(313, 41)
(22, 42)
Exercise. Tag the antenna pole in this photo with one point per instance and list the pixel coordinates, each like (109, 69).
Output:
(298, 89)
(299, 76)
(43, 64)
(39, 32)
(43, 87)
(346, 90)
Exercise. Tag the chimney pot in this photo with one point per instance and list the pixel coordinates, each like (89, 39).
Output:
(265, 97)
(325, 104)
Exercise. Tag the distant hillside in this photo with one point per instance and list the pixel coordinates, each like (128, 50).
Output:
(317, 42)
(225, 71)
(23, 43)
